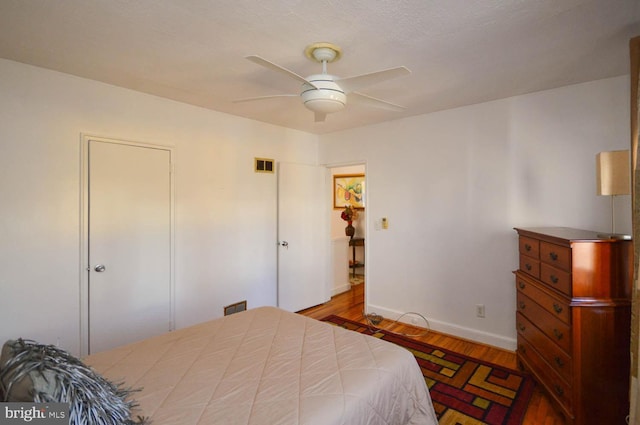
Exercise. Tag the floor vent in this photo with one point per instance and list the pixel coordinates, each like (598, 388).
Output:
(264, 165)
(235, 308)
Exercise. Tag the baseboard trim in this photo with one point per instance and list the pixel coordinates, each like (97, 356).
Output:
(474, 335)
(340, 289)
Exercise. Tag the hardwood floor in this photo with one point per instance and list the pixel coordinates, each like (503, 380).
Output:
(350, 305)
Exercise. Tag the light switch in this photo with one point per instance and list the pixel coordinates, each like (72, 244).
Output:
(385, 223)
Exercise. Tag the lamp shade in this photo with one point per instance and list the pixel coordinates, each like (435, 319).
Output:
(613, 173)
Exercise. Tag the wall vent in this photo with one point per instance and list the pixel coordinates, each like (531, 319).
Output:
(264, 165)
(235, 308)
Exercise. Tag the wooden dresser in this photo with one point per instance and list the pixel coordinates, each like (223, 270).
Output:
(573, 320)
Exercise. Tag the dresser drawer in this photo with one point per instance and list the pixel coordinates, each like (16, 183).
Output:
(552, 353)
(556, 278)
(557, 387)
(529, 247)
(553, 304)
(556, 255)
(556, 331)
(530, 266)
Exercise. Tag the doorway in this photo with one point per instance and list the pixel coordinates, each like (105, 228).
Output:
(348, 253)
(127, 253)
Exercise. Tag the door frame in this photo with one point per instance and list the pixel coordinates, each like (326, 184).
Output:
(367, 219)
(84, 231)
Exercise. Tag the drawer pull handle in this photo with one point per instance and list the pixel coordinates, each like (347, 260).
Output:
(553, 256)
(521, 284)
(558, 334)
(527, 247)
(557, 308)
(559, 361)
(523, 349)
(558, 390)
(522, 305)
(527, 266)
(554, 278)
(521, 327)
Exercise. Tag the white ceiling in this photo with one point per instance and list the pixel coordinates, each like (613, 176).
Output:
(460, 52)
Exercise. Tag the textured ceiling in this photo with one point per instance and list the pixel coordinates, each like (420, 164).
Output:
(460, 52)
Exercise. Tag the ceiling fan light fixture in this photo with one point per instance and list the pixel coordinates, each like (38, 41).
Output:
(326, 98)
(325, 106)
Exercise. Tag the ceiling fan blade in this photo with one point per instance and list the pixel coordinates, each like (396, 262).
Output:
(278, 68)
(320, 117)
(251, 99)
(351, 84)
(363, 99)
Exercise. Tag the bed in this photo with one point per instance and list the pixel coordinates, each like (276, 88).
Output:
(268, 366)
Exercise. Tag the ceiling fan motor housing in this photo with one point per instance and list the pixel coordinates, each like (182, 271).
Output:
(326, 98)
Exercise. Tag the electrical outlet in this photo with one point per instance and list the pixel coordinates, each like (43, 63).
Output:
(480, 310)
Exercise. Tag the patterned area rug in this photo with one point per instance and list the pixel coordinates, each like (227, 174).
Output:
(464, 390)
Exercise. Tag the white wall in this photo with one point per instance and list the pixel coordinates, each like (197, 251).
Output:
(225, 213)
(340, 254)
(453, 185)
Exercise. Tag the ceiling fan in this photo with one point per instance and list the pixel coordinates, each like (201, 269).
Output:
(325, 93)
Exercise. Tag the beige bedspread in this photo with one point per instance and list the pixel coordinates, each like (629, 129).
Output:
(268, 366)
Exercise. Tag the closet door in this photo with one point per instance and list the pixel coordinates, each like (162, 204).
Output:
(129, 247)
(303, 236)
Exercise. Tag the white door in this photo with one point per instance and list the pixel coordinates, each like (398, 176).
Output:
(303, 236)
(129, 247)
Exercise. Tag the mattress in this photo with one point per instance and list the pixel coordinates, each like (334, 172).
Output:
(266, 366)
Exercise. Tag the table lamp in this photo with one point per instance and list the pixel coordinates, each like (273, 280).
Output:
(613, 174)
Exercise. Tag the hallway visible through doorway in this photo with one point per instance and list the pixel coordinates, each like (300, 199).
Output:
(356, 280)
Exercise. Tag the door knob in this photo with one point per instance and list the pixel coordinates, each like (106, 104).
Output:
(99, 268)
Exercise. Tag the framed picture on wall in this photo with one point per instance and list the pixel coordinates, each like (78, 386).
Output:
(348, 189)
